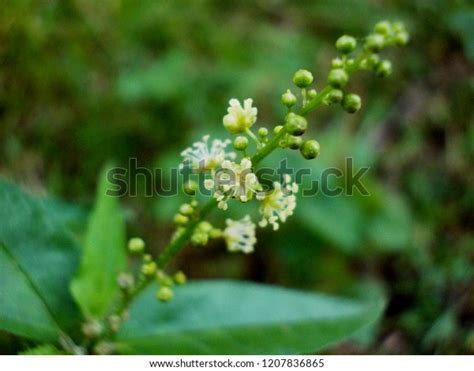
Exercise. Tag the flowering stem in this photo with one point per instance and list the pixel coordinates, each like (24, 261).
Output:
(183, 237)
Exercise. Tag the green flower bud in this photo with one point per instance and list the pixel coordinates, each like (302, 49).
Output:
(383, 69)
(125, 281)
(181, 219)
(186, 209)
(164, 294)
(351, 103)
(372, 61)
(149, 269)
(262, 132)
(190, 187)
(338, 77)
(240, 143)
(136, 245)
(294, 142)
(312, 93)
(398, 27)
(302, 78)
(295, 124)
(288, 98)
(147, 258)
(346, 44)
(180, 278)
(383, 28)
(277, 129)
(374, 43)
(92, 328)
(401, 38)
(337, 63)
(310, 149)
(335, 96)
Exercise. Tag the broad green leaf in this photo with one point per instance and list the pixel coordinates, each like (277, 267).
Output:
(230, 317)
(104, 255)
(37, 261)
(22, 310)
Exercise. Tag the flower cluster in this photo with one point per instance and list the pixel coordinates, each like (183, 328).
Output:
(229, 170)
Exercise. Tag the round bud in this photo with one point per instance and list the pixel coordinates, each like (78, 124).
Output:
(180, 278)
(186, 209)
(372, 61)
(335, 96)
(398, 27)
(346, 44)
(190, 187)
(351, 103)
(294, 142)
(295, 124)
(310, 149)
(180, 219)
(240, 143)
(338, 77)
(262, 132)
(312, 93)
(136, 245)
(302, 78)
(337, 63)
(383, 69)
(374, 43)
(164, 294)
(401, 38)
(149, 269)
(277, 129)
(288, 98)
(383, 28)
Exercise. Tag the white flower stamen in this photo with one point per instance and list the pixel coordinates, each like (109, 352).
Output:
(239, 235)
(201, 157)
(239, 118)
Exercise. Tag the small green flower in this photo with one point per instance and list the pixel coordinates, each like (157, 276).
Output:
(181, 219)
(288, 99)
(335, 96)
(164, 294)
(180, 278)
(240, 143)
(312, 93)
(136, 245)
(383, 28)
(262, 132)
(294, 142)
(310, 149)
(338, 77)
(295, 124)
(374, 43)
(346, 44)
(149, 269)
(302, 78)
(383, 69)
(351, 103)
(186, 209)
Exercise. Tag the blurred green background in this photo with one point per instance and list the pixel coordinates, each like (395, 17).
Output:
(83, 81)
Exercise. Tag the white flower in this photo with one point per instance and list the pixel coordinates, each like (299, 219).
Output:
(239, 118)
(279, 204)
(201, 157)
(235, 181)
(239, 235)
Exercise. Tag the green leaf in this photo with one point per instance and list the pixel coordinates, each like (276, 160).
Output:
(22, 310)
(229, 317)
(104, 255)
(37, 260)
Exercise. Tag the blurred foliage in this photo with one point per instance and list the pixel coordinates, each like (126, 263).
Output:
(83, 82)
